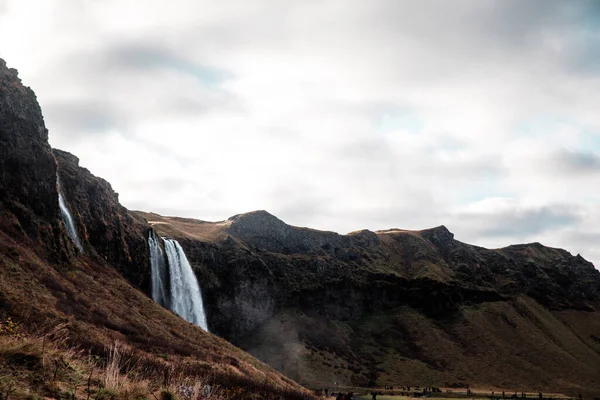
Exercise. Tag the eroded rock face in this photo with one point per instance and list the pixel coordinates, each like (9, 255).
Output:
(27, 168)
(266, 232)
(265, 265)
(105, 226)
(353, 305)
(270, 266)
(28, 193)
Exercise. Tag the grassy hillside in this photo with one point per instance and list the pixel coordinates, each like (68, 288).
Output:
(83, 308)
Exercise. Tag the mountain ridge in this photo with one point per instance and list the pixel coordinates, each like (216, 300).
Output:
(391, 307)
(323, 294)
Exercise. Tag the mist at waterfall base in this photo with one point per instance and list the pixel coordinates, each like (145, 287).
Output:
(174, 285)
(69, 221)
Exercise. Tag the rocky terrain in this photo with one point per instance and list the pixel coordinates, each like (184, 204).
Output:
(392, 307)
(75, 324)
(396, 306)
(107, 230)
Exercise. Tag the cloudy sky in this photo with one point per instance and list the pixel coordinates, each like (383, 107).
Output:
(335, 114)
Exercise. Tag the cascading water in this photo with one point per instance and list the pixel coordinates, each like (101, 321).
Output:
(186, 299)
(68, 220)
(174, 284)
(160, 272)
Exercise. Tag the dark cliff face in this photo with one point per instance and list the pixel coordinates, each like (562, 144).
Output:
(376, 307)
(105, 226)
(29, 211)
(266, 232)
(78, 300)
(28, 193)
(553, 277)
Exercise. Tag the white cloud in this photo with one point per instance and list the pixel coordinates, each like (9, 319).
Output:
(480, 115)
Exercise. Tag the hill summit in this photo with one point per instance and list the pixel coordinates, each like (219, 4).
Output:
(396, 305)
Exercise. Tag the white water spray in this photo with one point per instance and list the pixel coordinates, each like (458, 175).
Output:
(186, 299)
(159, 270)
(174, 284)
(68, 220)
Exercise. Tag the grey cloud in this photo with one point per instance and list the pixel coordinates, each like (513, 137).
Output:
(591, 239)
(478, 31)
(364, 59)
(376, 155)
(149, 55)
(305, 209)
(575, 162)
(477, 168)
(119, 85)
(518, 223)
(79, 117)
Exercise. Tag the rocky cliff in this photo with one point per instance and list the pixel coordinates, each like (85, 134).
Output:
(396, 306)
(106, 228)
(391, 307)
(28, 201)
(63, 309)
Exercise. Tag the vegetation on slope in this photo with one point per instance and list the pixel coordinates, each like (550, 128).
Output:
(72, 307)
(93, 307)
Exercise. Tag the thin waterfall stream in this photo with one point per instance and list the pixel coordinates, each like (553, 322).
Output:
(68, 220)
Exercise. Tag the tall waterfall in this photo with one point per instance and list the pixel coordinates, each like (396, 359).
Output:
(68, 220)
(174, 284)
(160, 272)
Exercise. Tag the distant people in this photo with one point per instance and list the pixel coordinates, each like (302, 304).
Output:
(373, 395)
(340, 396)
(540, 395)
(503, 396)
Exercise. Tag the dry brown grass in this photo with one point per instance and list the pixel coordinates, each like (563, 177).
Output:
(77, 310)
(33, 366)
(177, 227)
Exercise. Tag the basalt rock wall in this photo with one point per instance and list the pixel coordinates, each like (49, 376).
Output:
(105, 226)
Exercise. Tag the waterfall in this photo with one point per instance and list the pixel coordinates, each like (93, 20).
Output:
(159, 270)
(186, 299)
(174, 284)
(68, 220)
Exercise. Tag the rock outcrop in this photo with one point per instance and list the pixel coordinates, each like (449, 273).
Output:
(394, 306)
(266, 232)
(29, 198)
(52, 292)
(106, 226)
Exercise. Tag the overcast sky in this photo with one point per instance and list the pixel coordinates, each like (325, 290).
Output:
(480, 115)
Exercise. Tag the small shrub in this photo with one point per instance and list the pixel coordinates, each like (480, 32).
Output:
(9, 327)
(166, 394)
